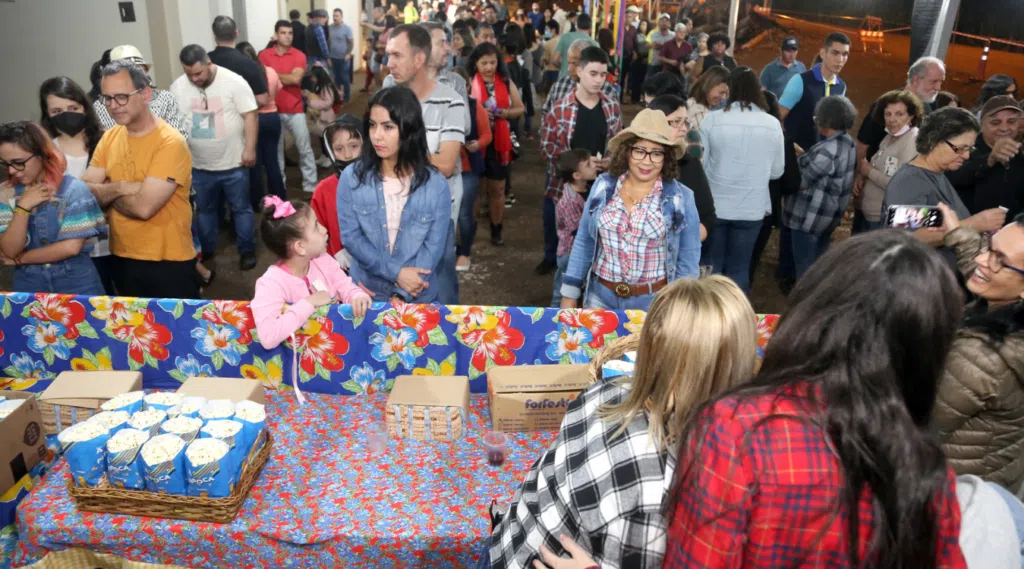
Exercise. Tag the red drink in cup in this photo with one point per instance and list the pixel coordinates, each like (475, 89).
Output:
(495, 442)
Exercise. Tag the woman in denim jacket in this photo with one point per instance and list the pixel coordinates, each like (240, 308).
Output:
(393, 206)
(640, 229)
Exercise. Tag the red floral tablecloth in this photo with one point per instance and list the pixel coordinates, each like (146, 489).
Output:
(325, 499)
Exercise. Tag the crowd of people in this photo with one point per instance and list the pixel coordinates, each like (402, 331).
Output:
(884, 426)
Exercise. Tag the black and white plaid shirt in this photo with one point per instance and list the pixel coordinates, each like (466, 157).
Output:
(826, 183)
(604, 492)
(163, 104)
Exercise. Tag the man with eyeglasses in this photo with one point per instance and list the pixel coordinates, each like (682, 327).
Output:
(993, 176)
(162, 102)
(140, 174)
(587, 118)
(223, 144)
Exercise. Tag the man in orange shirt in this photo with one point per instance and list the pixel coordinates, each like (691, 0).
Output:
(140, 174)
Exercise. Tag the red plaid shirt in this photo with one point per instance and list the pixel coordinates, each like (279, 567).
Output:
(568, 213)
(632, 243)
(558, 126)
(769, 496)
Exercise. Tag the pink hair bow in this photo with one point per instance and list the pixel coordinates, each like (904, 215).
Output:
(281, 207)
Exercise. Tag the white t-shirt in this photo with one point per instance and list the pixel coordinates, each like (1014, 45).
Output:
(77, 165)
(218, 136)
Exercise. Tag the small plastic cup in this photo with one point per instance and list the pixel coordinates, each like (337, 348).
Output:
(495, 442)
(378, 437)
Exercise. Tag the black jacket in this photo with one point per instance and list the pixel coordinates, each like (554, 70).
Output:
(982, 187)
(299, 35)
(691, 175)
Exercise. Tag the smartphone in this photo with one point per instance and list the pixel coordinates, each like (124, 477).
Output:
(914, 216)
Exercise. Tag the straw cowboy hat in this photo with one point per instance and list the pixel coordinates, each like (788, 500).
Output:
(649, 125)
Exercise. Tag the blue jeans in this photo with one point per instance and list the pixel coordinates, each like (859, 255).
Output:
(234, 185)
(807, 247)
(729, 249)
(74, 275)
(266, 162)
(550, 230)
(447, 280)
(467, 215)
(556, 296)
(600, 296)
(342, 78)
(862, 225)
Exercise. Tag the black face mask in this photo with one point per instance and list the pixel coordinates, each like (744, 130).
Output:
(340, 165)
(69, 123)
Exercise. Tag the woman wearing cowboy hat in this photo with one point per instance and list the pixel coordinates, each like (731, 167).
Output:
(640, 229)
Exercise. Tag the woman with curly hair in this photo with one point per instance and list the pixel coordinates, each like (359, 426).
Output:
(640, 228)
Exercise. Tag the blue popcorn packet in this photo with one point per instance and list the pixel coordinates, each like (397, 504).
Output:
(211, 470)
(185, 427)
(253, 417)
(163, 465)
(231, 432)
(84, 447)
(114, 421)
(130, 402)
(163, 400)
(189, 407)
(124, 467)
(617, 368)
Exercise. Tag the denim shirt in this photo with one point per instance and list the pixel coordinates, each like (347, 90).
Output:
(683, 240)
(362, 220)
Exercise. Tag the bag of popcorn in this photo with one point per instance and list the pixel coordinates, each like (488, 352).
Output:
(148, 420)
(123, 467)
(127, 402)
(253, 417)
(8, 407)
(211, 470)
(163, 464)
(188, 407)
(217, 409)
(185, 427)
(163, 400)
(230, 432)
(83, 446)
(113, 420)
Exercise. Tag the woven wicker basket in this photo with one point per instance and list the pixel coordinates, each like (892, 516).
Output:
(611, 351)
(109, 500)
(440, 419)
(56, 418)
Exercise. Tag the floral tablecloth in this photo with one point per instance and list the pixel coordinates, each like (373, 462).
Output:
(325, 499)
(169, 340)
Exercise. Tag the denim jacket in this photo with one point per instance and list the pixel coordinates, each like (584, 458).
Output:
(683, 240)
(421, 235)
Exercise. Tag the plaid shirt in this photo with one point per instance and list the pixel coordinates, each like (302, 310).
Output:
(605, 492)
(568, 213)
(558, 127)
(826, 172)
(163, 104)
(766, 492)
(632, 243)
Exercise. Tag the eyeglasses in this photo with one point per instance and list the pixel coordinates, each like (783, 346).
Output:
(996, 260)
(677, 123)
(18, 165)
(959, 149)
(638, 153)
(120, 99)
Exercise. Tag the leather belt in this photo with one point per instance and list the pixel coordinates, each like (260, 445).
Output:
(625, 290)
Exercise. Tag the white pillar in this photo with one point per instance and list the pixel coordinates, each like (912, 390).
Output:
(938, 44)
(734, 14)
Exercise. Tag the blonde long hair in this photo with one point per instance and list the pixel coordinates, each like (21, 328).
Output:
(699, 339)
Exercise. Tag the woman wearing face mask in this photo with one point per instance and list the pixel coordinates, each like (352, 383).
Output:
(342, 144)
(69, 118)
(46, 216)
(901, 111)
(394, 208)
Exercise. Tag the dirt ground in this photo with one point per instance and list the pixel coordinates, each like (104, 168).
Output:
(504, 276)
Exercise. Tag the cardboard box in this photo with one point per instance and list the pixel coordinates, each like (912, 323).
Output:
(22, 441)
(234, 388)
(533, 397)
(444, 398)
(74, 396)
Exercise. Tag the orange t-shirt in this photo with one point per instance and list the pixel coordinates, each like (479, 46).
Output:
(162, 154)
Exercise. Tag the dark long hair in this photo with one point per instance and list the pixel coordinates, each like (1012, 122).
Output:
(318, 79)
(994, 86)
(249, 51)
(485, 48)
(413, 156)
(868, 329)
(96, 75)
(65, 88)
(745, 89)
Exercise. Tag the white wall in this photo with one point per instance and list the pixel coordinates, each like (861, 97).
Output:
(44, 38)
(260, 17)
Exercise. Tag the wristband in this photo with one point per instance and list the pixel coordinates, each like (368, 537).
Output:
(21, 209)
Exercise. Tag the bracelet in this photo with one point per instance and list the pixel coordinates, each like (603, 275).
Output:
(23, 210)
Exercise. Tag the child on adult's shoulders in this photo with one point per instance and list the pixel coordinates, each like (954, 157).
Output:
(342, 144)
(576, 169)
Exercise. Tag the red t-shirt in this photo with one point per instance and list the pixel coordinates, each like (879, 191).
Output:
(679, 53)
(325, 206)
(289, 98)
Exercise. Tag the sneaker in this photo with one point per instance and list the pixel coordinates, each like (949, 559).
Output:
(509, 200)
(462, 264)
(247, 262)
(545, 268)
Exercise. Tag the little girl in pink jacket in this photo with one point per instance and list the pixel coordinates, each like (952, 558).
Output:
(305, 278)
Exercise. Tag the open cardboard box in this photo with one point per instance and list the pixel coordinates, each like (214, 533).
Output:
(22, 442)
(533, 397)
(74, 396)
(234, 388)
(447, 398)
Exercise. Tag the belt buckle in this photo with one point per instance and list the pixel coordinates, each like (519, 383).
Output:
(622, 290)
